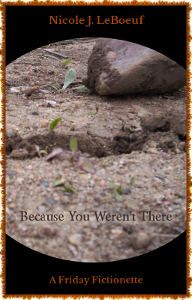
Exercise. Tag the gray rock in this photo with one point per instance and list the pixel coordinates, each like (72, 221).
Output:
(34, 112)
(118, 67)
(19, 154)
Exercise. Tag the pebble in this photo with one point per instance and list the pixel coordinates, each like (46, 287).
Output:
(102, 183)
(44, 123)
(159, 177)
(29, 167)
(50, 201)
(19, 154)
(170, 209)
(33, 112)
(48, 231)
(15, 90)
(11, 205)
(75, 239)
(44, 183)
(20, 180)
(51, 103)
(91, 182)
(118, 231)
(141, 240)
(126, 192)
(101, 172)
(41, 208)
(152, 151)
(177, 202)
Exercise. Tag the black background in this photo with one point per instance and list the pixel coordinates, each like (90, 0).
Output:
(164, 30)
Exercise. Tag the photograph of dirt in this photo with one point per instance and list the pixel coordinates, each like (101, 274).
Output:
(95, 150)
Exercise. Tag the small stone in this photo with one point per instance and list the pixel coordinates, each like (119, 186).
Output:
(11, 205)
(48, 231)
(31, 90)
(50, 201)
(91, 182)
(72, 128)
(15, 90)
(141, 240)
(118, 231)
(159, 177)
(50, 103)
(170, 209)
(102, 183)
(44, 183)
(75, 239)
(19, 180)
(126, 192)
(29, 167)
(102, 172)
(19, 154)
(152, 150)
(45, 123)
(33, 112)
(41, 208)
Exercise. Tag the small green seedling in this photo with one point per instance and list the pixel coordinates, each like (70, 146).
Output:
(54, 123)
(55, 86)
(51, 56)
(81, 87)
(117, 191)
(66, 62)
(44, 152)
(62, 181)
(84, 162)
(131, 182)
(73, 146)
(92, 113)
(70, 76)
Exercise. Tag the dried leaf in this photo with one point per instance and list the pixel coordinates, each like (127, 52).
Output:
(86, 164)
(54, 153)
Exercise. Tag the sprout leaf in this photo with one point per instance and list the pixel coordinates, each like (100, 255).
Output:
(118, 197)
(70, 76)
(54, 123)
(68, 189)
(73, 144)
(66, 62)
(59, 181)
(119, 190)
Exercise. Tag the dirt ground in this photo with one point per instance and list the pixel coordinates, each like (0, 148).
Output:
(128, 137)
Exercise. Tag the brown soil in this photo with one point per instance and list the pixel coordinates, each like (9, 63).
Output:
(124, 137)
